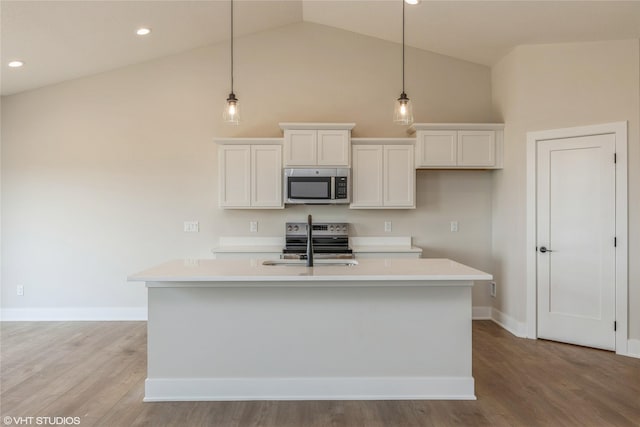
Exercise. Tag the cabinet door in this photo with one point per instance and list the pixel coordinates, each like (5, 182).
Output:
(476, 148)
(266, 176)
(436, 148)
(367, 176)
(300, 147)
(333, 147)
(234, 166)
(399, 176)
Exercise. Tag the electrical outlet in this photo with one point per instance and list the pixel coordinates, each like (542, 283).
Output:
(492, 289)
(454, 226)
(20, 290)
(253, 226)
(191, 226)
(387, 226)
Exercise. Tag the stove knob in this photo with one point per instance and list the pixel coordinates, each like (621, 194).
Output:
(288, 228)
(295, 228)
(331, 228)
(344, 228)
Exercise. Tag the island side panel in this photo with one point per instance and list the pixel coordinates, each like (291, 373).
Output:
(241, 343)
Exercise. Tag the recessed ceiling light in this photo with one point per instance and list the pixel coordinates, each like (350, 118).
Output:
(143, 31)
(412, 2)
(15, 64)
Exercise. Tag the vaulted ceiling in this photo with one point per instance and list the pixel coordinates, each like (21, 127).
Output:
(62, 40)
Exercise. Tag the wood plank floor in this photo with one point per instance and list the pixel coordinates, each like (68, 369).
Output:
(96, 371)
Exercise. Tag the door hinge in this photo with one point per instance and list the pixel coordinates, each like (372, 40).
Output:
(615, 242)
(615, 325)
(615, 157)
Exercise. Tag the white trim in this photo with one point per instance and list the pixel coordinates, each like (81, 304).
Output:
(633, 348)
(454, 126)
(481, 313)
(72, 314)
(317, 388)
(248, 141)
(316, 126)
(530, 252)
(382, 141)
(517, 328)
(620, 131)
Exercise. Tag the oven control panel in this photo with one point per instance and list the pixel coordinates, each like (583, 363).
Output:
(319, 229)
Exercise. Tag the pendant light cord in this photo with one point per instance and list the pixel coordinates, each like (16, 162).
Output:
(402, 45)
(231, 46)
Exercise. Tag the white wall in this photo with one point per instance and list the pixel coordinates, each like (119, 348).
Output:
(555, 86)
(99, 173)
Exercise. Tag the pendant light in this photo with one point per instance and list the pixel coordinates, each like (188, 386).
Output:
(403, 112)
(231, 112)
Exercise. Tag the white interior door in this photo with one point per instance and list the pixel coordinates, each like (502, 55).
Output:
(575, 240)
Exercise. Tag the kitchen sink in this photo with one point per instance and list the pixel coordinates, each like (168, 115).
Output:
(316, 263)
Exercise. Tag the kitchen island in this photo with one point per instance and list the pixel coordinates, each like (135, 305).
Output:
(241, 330)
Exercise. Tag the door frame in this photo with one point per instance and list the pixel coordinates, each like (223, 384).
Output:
(619, 129)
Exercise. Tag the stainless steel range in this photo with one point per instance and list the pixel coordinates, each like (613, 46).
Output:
(330, 240)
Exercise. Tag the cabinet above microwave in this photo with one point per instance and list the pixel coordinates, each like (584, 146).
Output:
(317, 144)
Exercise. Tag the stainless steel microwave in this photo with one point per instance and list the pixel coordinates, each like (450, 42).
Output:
(321, 186)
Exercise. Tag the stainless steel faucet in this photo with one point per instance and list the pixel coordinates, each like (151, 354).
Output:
(309, 242)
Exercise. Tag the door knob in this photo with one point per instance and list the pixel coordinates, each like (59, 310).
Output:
(543, 249)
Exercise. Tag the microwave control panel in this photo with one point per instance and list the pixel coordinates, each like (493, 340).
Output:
(341, 187)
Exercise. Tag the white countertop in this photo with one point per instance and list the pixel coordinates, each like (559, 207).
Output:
(423, 270)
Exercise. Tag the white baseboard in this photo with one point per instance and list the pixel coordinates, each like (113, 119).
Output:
(519, 329)
(72, 314)
(481, 313)
(507, 322)
(317, 388)
(633, 348)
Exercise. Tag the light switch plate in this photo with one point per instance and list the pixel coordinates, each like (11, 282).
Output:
(387, 226)
(253, 226)
(191, 226)
(454, 226)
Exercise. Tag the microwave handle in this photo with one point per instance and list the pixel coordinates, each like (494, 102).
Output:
(333, 188)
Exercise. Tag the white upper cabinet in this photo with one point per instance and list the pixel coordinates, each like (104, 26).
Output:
(436, 148)
(266, 176)
(383, 175)
(477, 148)
(458, 145)
(300, 147)
(250, 173)
(367, 176)
(234, 166)
(399, 176)
(334, 147)
(317, 144)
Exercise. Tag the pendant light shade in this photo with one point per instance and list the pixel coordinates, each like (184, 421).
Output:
(403, 111)
(231, 113)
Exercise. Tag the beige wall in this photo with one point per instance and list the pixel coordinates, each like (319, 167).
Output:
(554, 86)
(99, 173)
